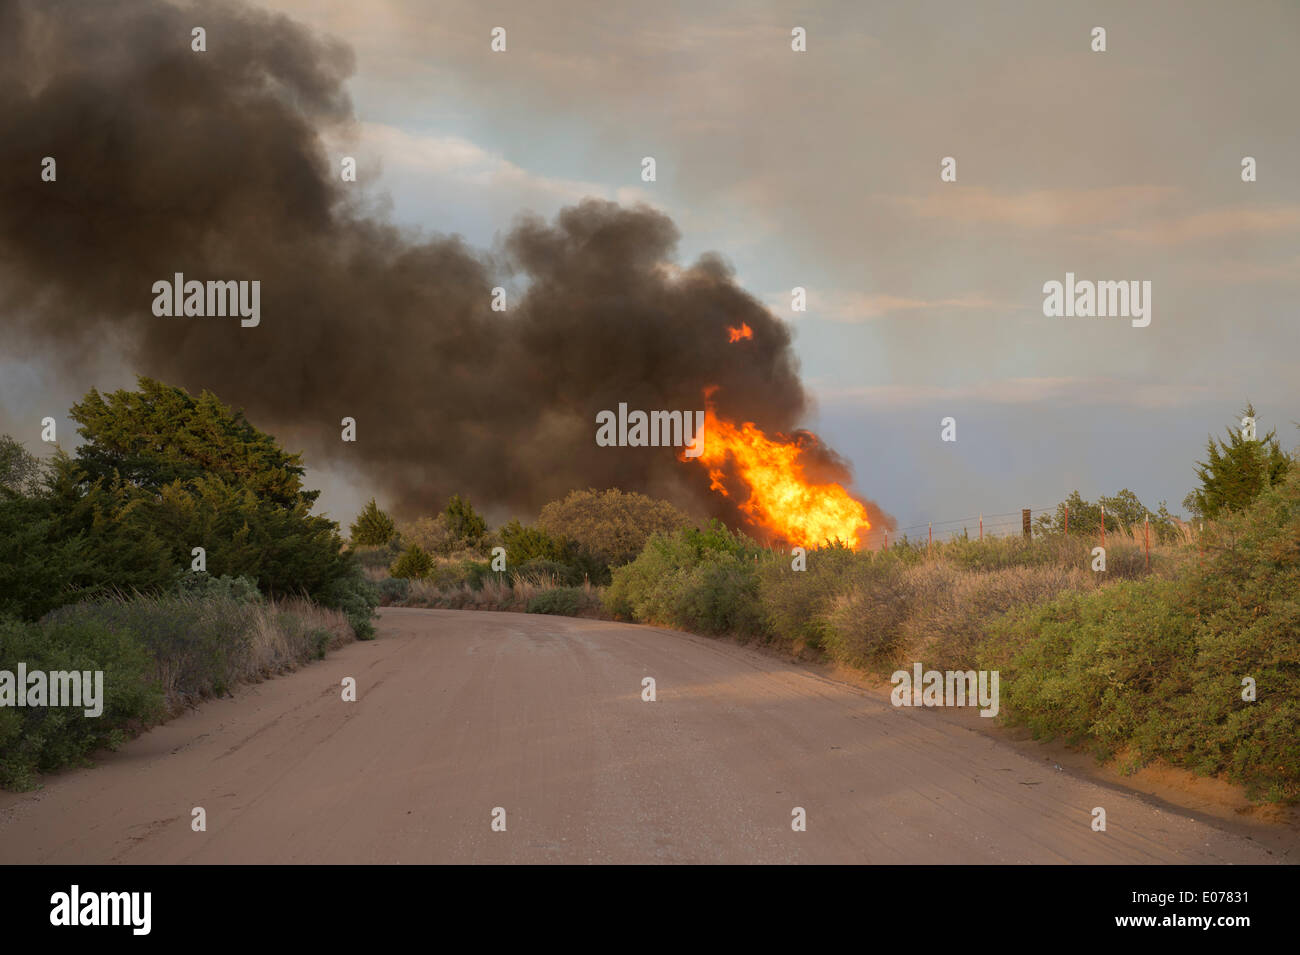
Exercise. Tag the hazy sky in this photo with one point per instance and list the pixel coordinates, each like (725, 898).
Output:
(821, 169)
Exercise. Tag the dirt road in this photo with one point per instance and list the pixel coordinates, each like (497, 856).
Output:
(459, 713)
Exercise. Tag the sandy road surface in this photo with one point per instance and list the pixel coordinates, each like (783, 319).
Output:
(461, 712)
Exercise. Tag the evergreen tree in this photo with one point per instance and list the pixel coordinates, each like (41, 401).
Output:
(611, 525)
(373, 527)
(463, 522)
(160, 434)
(159, 474)
(20, 471)
(1236, 471)
(414, 563)
(1123, 511)
(531, 543)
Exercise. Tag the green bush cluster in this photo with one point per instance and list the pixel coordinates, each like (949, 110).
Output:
(358, 598)
(394, 590)
(562, 601)
(97, 567)
(41, 739)
(160, 472)
(1236, 471)
(798, 602)
(196, 641)
(576, 541)
(1122, 512)
(611, 527)
(860, 607)
(239, 589)
(414, 564)
(1154, 668)
(701, 580)
(159, 653)
(372, 528)
(1133, 663)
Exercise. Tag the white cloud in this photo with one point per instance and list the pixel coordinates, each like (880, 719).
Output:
(455, 160)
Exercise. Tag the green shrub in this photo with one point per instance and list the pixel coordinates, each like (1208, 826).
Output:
(1002, 553)
(611, 526)
(562, 601)
(477, 572)
(357, 597)
(445, 574)
(797, 603)
(372, 528)
(539, 570)
(42, 739)
(160, 472)
(39, 563)
(866, 622)
(1154, 668)
(21, 472)
(394, 590)
(1125, 513)
(948, 629)
(159, 653)
(1236, 471)
(523, 543)
(464, 525)
(702, 580)
(378, 558)
(720, 596)
(201, 585)
(195, 641)
(413, 564)
(1107, 670)
(320, 641)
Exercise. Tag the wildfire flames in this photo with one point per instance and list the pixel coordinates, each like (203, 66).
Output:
(736, 334)
(781, 500)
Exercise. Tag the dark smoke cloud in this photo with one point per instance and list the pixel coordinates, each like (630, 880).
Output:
(212, 164)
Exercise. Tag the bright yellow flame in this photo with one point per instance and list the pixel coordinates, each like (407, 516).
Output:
(781, 500)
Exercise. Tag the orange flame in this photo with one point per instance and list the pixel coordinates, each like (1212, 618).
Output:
(781, 500)
(736, 334)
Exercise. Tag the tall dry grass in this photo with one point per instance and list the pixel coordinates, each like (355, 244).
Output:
(204, 645)
(159, 654)
(936, 604)
(519, 593)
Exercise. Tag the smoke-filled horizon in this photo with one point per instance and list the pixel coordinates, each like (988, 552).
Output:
(213, 165)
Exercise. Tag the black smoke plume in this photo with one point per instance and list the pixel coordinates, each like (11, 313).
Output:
(213, 164)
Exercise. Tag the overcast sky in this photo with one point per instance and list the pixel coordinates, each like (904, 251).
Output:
(821, 169)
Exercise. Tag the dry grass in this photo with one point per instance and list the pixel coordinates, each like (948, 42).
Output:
(287, 633)
(949, 626)
(936, 605)
(160, 654)
(494, 593)
(204, 646)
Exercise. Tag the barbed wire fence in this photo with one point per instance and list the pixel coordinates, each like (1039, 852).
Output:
(975, 527)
